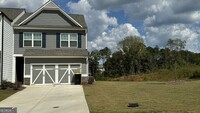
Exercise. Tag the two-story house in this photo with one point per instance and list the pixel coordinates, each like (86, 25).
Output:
(47, 46)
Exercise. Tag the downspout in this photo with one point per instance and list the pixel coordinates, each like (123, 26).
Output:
(2, 47)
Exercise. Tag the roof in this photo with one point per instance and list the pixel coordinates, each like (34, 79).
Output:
(49, 5)
(26, 15)
(11, 13)
(79, 18)
(56, 52)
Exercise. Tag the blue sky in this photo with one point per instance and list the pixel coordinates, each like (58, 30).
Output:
(109, 21)
(119, 14)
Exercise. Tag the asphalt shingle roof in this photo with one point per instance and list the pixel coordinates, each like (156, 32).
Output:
(26, 15)
(56, 52)
(11, 13)
(79, 18)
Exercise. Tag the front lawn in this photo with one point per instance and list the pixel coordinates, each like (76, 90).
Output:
(153, 97)
(6, 93)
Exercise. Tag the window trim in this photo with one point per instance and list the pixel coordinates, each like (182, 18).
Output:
(69, 40)
(32, 39)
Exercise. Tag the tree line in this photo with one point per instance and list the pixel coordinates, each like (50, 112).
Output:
(134, 57)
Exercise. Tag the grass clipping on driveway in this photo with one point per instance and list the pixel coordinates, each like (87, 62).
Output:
(167, 97)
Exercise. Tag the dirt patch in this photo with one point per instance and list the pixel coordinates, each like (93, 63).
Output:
(176, 82)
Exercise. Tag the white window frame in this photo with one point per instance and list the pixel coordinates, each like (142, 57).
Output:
(32, 39)
(69, 40)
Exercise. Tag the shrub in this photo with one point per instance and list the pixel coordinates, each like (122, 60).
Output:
(195, 75)
(90, 80)
(17, 85)
(5, 84)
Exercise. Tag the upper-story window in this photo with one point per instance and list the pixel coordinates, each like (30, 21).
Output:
(32, 39)
(69, 40)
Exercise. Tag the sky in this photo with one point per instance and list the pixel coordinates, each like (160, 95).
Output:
(110, 21)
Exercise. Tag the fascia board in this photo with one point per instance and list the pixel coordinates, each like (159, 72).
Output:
(55, 57)
(40, 28)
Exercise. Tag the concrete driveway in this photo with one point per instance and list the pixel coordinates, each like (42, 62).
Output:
(48, 99)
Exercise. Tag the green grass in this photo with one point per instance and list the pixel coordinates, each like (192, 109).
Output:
(153, 97)
(6, 93)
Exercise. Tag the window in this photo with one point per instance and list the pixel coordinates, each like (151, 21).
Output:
(32, 39)
(69, 40)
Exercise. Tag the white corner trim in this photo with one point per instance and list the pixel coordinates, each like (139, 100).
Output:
(13, 69)
(86, 39)
(87, 66)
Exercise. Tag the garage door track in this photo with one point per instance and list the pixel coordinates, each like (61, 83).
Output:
(48, 99)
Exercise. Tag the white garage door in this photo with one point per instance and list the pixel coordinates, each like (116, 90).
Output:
(54, 74)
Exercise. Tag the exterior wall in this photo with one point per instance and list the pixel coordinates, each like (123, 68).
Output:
(8, 51)
(50, 40)
(0, 31)
(0, 43)
(54, 18)
(28, 61)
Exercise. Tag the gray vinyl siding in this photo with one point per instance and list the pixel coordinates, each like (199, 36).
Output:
(50, 18)
(50, 40)
(0, 44)
(29, 61)
(84, 68)
(8, 51)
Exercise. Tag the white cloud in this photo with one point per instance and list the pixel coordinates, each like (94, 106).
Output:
(97, 20)
(162, 20)
(104, 30)
(111, 38)
(29, 5)
(110, 4)
(160, 35)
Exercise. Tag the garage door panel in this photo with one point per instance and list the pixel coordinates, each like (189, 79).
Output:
(37, 77)
(63, 74)
(36, 73)
(61, 67)
(50, 74)
(36, 67)
(39, 80)
(75, 68)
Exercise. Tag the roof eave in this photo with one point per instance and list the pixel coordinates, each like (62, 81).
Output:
(55, 56)
(43, 28)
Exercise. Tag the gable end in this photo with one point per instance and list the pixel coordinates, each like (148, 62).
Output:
(50, 18)
(50, 5)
